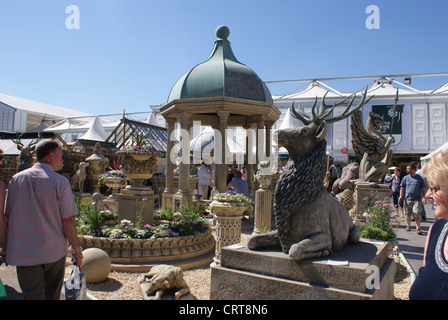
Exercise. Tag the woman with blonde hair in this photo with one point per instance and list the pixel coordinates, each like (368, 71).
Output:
(3, 228)
(432, 280)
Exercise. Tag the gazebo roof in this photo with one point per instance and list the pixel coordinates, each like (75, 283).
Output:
(221, 75)
(123, 134)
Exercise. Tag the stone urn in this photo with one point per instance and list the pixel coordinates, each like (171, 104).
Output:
(97, 166)
(115, 183)
(136, 198)
(138, 167)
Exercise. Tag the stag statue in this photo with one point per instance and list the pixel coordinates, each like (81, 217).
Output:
(25, 157)
(310, 222)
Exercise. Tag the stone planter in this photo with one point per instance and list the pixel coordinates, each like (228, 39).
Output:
(115, 183)
(226, 209)
(147, 251)
(138, 167)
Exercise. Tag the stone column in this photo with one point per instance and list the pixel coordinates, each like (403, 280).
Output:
(260, 127)
(183, 194)
(263, 204)
(167, 197)
(221, 168)
(249, 159)
(268, 125)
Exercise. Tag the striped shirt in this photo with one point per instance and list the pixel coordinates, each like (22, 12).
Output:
(37, 199)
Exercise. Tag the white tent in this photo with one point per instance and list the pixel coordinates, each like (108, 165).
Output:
(39, 108)
(442, 148)
(152, 120)
(96, 131)
(205, 142)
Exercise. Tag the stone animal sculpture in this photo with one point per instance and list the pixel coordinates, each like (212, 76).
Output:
(310, 222)
(161, 279)
(349, 175)
(79, 177)
(26, 152)
(370, 146)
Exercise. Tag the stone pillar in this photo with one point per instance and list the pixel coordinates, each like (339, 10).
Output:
(249, 160)
(221, 167)
(263, 204)
(268, 126)
(260, 135)
(183, 194)
(167, 197)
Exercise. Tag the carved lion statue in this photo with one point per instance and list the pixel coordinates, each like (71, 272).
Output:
(161, 279)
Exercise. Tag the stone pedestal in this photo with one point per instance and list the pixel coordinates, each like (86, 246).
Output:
(228, 226)
(263, 211)
(360, 272)
(370, 191)
(134, 202)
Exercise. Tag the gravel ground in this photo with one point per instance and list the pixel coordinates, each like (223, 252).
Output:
(124, 286)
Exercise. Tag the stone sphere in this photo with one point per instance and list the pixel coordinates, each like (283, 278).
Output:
(96, 264)
(222, 32)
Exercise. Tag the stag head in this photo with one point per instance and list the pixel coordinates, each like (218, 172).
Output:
(301, 140)
(26, 150)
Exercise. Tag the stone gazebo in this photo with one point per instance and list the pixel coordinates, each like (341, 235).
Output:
(220, 92)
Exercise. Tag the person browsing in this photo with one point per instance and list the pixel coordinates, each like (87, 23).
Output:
(413, 189)
(204, 179)
(40, 211)
(239, 184)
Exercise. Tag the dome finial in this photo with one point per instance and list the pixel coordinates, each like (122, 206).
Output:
(222, 32)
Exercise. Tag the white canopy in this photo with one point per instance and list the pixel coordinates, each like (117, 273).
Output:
(39, 108)
(96, 131)
(205, 142)
(442, 148)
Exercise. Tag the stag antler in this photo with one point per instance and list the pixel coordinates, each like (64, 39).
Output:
(17, 141)
(325, 110)
(34, 142)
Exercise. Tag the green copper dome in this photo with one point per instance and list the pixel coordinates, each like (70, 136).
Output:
(221, 75)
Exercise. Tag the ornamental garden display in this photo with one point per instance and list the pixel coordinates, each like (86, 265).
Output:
(174, 236)
(139, 164)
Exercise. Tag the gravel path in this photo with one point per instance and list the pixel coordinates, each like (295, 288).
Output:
(124, 286)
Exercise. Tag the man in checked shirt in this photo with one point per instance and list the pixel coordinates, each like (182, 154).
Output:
(40, 211)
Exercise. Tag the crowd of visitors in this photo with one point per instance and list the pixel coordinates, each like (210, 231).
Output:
(38, 209)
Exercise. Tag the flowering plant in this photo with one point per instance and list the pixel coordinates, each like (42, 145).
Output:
(111, 174)
(187, 222)
(377, 224)
(233, 198)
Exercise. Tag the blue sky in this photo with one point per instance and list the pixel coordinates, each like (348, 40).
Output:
(128, 54)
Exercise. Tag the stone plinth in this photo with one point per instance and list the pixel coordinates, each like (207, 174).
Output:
(228, 226)
(364, 189)
(272, 275)
(134, 202)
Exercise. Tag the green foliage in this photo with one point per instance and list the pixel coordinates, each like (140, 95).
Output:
(234, 199)
(186, 222)
(377, 224)
(90, 220)
(164, 214)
